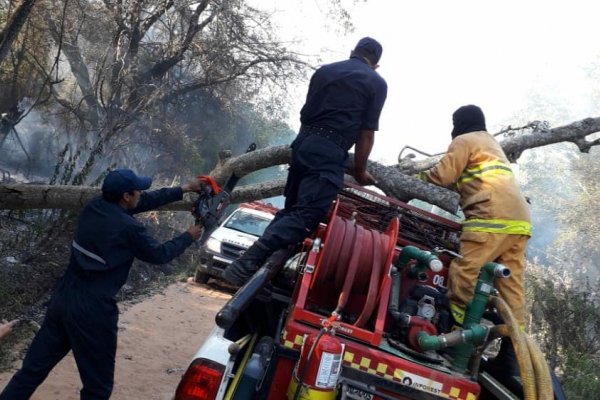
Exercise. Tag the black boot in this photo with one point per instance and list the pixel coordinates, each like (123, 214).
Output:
(506, 360)
(505, 367)
(245, 266)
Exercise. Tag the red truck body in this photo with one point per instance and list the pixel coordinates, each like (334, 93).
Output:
(350, 287)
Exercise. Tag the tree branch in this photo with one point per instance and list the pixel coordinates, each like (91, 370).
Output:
(515, 145)
(16, 21)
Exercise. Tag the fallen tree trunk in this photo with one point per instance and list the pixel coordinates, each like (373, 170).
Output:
(401, 186)
(395, 181)
(26, 197)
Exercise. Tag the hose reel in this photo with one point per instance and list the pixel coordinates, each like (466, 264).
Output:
(353, 261)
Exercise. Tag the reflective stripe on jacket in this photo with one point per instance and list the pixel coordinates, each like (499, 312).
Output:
(484, 171)
(476, 166)
(506, 226)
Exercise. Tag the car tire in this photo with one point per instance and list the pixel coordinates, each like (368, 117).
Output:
(201, 277)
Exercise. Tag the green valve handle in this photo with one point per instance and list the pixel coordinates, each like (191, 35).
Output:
(424, 259)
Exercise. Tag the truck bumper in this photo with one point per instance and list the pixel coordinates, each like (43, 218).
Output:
(213, 265)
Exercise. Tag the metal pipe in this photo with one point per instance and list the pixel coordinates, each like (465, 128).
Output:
(394, 306)
(229, 313)
(475, 335)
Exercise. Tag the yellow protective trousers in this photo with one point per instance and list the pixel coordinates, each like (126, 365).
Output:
(477, 249)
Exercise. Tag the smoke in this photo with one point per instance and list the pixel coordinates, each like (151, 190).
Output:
(183, 141)
(546, 179)
(27, 152)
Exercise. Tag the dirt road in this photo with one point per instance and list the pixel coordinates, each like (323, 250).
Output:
(157, 339)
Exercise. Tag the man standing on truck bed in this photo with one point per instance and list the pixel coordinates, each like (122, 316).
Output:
(497, 221)
(83, 314)
(342, 108)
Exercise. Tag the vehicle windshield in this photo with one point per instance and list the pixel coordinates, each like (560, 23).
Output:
(248, 223)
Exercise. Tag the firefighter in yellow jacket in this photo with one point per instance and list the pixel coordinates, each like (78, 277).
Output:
(497, 222)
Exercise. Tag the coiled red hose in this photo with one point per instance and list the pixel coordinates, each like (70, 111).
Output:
(353, 259)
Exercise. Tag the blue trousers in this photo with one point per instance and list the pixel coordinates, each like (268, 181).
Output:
(79, 321)
(315, 177)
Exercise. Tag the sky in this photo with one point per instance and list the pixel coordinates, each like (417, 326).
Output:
(440, 55)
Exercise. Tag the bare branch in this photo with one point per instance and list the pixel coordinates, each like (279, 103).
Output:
(575, 132)
(16, 21)
(155, 16)
(176, 55)
(240, 71)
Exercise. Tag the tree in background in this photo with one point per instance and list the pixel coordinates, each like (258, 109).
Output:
(24, 52)
(565, 318)
(562, 184)
(158, 85)
(15, 19)
(562, 280)
(130, 72)
(578, 241)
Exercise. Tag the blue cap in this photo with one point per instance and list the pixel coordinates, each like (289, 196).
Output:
(371, 47)
(125, 180)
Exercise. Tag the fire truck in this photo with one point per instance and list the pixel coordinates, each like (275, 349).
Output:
(360, 311)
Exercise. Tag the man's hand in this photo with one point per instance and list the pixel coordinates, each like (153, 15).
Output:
(195, 231)
(364, 178)
(193, 186)
(6, 327)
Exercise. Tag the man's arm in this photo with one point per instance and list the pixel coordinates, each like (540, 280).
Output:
(362, 149)
(148, 249)
(157, 198)
(451, 166)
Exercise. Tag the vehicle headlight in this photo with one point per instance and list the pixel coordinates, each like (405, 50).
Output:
(213, 245)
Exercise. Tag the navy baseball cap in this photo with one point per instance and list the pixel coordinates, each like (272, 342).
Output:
(125, 180)
(371, 47)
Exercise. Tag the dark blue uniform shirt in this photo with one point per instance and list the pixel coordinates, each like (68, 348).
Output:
(343, 98)
(346, 96)
(108, 238)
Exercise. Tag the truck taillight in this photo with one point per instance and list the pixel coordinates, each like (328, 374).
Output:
(201, 381)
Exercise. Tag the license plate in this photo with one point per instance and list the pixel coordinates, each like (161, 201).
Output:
(357, 394)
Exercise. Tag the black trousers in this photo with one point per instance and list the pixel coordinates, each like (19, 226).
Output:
(315, 177)
(76, 320)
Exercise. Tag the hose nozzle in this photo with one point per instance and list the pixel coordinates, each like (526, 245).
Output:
(500, 271)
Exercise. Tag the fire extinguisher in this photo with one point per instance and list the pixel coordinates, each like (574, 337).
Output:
(318, 369)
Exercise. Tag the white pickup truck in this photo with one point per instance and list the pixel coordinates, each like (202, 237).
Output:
(233, 236)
